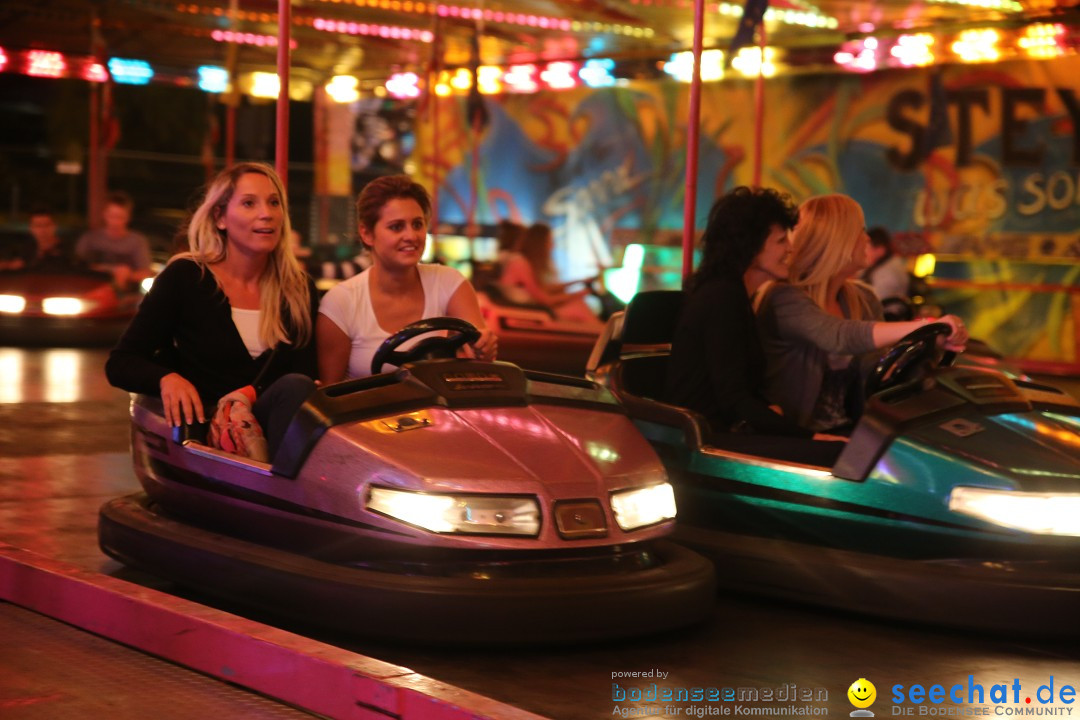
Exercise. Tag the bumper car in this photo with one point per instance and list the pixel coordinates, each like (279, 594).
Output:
(956, 501)
(61, 306)
(532, 337)
(451, 501)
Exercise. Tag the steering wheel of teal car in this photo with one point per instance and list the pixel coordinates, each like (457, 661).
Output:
(905, 360)
(439, 346)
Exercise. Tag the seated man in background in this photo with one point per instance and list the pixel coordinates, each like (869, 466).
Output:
(114, 248)
(43, 249)
(888, 274)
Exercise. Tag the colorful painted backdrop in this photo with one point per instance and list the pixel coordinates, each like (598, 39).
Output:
(978, 161)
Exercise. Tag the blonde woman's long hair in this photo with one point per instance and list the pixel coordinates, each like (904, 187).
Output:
(284, 296)
(825, 241)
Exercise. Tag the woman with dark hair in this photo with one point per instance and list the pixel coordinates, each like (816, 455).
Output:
(717, 364)
(356, 316)
(232, 318)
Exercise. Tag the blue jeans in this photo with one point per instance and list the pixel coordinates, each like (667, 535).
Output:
(277, 404)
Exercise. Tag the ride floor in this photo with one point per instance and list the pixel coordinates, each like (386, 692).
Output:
(63, 451)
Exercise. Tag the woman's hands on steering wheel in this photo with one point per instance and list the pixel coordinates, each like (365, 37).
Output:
(486, 347)
(922, 348)
(461, 331)
(959, 337)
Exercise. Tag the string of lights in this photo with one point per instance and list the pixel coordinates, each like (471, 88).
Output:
(866, 54)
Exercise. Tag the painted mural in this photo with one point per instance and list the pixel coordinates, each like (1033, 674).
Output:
(971, 161)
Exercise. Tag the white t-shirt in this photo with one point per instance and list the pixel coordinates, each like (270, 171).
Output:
(247, 324)
(348, 305)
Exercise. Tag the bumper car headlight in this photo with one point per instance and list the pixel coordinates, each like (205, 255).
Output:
(643, 506)
(1042, 513)
(466, 514)
(13, 304)
(63, 306)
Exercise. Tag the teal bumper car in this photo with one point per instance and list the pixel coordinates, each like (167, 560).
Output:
(956, 501)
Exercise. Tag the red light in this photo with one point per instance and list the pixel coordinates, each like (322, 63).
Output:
(3, 59)
(44, 63)
(95, 72)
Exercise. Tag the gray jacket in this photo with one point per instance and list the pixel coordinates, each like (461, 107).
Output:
(798, 337)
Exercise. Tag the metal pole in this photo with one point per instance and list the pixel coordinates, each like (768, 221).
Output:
(434, 71)
(320, 100)
(759, 106)
(435, 155)
(281, 150)
(94, 191)
(474, 181)
(692, 127)
(230, 134)
(93, 159)
(232, 97)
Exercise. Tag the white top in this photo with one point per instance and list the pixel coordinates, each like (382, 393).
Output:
(348, 305)
(247, 324)
(890, 279)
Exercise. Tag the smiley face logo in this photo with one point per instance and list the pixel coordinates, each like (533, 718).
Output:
(862, 693)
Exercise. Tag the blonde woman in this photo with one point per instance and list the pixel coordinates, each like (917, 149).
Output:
(816, 325)
(235, 312)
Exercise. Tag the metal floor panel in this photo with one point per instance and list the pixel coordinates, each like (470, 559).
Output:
(52, 670)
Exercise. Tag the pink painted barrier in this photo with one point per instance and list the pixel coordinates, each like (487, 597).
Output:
(296, 670)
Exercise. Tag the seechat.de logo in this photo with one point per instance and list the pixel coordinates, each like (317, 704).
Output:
(862, 695)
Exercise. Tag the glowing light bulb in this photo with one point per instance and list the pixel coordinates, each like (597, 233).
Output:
(213, 79)
(404, 85)
(45, 63)
(977, 46)
(560, 75)
(748, 62)
(343, 89)
(681, 66)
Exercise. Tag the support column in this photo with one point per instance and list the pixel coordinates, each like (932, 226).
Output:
(281, 153)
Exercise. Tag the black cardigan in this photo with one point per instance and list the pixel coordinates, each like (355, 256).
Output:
(717, 364)
(184, 325)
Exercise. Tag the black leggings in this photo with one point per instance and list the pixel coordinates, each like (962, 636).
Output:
(277, 404)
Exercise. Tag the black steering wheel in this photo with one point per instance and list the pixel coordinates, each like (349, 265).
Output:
(907, 359)
(609, 304)
(440, 346)
(898, 309)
